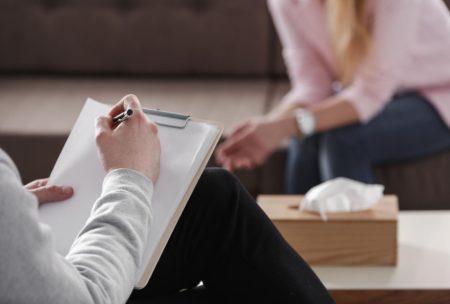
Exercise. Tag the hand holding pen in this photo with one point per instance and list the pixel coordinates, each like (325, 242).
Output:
(133, 145)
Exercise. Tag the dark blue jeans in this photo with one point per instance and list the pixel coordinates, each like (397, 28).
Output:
(408, 127)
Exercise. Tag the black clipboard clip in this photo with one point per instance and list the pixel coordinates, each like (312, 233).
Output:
(168, 119)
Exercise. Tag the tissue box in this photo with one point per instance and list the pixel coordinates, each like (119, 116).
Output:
(353, 238)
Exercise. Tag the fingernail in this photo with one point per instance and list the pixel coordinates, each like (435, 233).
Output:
(66, 190)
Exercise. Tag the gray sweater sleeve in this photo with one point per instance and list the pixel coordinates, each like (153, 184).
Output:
(102, 264)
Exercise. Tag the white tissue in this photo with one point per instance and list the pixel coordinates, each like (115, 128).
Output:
(341, 195)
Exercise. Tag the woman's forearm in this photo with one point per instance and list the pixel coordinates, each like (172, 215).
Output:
(332, 113)
(284, 116)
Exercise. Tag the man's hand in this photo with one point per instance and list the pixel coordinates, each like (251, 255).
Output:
(132, 144)
(48, 193)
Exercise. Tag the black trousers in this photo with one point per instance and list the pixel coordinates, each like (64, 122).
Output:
(225, 240)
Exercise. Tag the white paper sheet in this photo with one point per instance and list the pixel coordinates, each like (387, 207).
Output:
(182, 152)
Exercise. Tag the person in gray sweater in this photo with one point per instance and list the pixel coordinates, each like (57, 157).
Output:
(222, 238)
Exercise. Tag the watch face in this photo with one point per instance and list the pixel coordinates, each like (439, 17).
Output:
(306, 122)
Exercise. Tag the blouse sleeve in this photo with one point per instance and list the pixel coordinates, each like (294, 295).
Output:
(376, 81)
(310, 78)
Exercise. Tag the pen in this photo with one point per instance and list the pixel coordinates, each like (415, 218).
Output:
(123, 116)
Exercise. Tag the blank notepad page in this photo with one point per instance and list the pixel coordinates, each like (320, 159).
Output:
(182, 153)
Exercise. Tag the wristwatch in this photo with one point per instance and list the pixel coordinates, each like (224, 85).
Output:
(306, 122)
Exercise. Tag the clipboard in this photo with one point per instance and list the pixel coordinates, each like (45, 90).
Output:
(176, 121)
(78, 165)
(168, 119)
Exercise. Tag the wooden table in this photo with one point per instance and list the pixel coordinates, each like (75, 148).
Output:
(422, 274)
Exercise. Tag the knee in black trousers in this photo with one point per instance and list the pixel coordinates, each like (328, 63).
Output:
(219, 189)
(225, 240)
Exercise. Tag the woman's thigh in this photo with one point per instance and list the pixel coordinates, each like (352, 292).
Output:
(408, 127)
(302, 165)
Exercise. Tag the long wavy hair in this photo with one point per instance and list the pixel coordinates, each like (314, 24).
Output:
(351, 39)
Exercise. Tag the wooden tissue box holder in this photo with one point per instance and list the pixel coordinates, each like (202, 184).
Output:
(353, 238)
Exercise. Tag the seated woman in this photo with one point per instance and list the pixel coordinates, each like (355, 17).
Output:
(222, 238)
(370, 84)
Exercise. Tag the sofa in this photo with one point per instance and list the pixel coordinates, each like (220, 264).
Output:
(214, 59)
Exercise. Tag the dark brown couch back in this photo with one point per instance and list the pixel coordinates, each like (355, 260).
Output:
(172, 37)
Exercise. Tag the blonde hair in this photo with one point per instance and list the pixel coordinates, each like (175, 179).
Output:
(350, 35)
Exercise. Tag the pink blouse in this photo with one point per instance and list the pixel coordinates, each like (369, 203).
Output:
(411, 51)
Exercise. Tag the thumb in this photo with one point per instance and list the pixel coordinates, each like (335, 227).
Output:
(48, 194)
